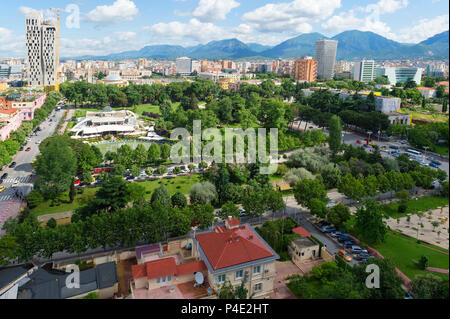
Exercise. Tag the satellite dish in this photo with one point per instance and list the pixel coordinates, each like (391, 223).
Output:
(199, 278)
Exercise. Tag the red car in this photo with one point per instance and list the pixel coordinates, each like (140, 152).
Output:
(359, 142)
(77, 182)
(28, 149)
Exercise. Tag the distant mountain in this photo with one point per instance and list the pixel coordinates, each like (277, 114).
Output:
(352, 45)
(358, 44)
(256, 47)
(224, 49)
(304, 44)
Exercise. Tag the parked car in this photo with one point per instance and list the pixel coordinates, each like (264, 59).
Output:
(4, 176)
(323, 223)
(2, 188)
(12, 165)
(436, 162)
(345, 255)
(358, 250)
(21, 148)
(242, 213)
(28, 149)
(349, 244)
(328, 229)
(362, 256)
(434, 165)
(131, 177)
(343, 237)
(335, 233)
(359, 142)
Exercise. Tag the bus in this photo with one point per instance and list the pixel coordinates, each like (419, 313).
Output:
(413, 152)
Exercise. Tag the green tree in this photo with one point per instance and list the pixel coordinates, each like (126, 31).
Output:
(335, 138)
(179, 200)
(229, 209)
(136, 192)
(318, 208)
(34, 198)
(429, 287)
(203, 193)
(165, 152)
(339, 214)
(140, 155)
(308, 189)
(154, 153)
(161, 195)
(51, 223)
(369, 223)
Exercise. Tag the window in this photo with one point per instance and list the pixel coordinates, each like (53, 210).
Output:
(158, 280)
(257, 287)
(169, 278)
(257, 270)
(239, 274)
(220, 279)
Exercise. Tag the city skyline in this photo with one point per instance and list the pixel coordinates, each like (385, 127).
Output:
(115, 26)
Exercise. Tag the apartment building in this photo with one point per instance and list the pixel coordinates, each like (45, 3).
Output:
(305, 70)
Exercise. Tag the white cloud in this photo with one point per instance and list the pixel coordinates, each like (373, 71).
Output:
(46, 13)
(193, 30)
(214, 10)
(120, 10)
(423, 30)
(366, 18)
(290, 17)
(12, 44)
(125, 36)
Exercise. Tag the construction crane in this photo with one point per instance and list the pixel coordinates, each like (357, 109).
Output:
(58, 13)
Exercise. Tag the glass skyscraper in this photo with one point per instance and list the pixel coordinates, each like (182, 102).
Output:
(326, 58)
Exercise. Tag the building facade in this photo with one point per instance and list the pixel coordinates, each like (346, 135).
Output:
(305, 70)
(400, 74)
(326, 57)
(41, 50)
(364, 71)
(184, 66)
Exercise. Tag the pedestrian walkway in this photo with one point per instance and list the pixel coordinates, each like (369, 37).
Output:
(8, 209)
(22, 179)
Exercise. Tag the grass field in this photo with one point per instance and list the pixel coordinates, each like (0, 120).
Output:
(181, 184)
(423, 204)
(428, 117)
(405, 252)
(442, 150)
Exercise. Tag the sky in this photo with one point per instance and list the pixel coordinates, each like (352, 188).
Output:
(100, 27)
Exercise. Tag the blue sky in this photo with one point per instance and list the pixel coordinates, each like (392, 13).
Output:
(108, 26)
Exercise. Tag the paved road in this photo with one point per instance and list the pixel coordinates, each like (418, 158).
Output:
(19, 178)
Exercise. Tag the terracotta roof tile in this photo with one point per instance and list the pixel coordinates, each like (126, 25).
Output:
(190, 268)
(161, 267)
(232, 247)
(301, 231)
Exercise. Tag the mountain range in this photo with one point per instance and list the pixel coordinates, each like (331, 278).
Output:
(352, 45)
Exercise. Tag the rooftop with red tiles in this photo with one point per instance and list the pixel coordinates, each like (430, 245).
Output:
(226, 247)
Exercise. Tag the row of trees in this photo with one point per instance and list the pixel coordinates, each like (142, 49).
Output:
(10, 146)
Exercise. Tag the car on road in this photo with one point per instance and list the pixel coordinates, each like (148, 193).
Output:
(433, 165)
(4, 176)
(345, 255)
(12, 165)
(366, 146)
(359, 142)
(129, 178)
(21, 148)
(242, 213)
(372, 144)
(77, 182)
(349, 244)
(38, 142)
(2, 188)
(28, 149)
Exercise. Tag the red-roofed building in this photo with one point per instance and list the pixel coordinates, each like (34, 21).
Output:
(301, 231)
(236, 252)
(163, 272)
(428, 93)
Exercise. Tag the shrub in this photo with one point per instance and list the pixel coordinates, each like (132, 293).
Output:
(402, 208)
(34, 198)
(423, 262)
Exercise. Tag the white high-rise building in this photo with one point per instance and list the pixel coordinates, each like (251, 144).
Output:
(364, 71)
(41, 50)
(184, 66)
(326, 58)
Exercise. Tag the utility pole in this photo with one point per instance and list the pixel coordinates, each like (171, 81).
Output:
(58, 14)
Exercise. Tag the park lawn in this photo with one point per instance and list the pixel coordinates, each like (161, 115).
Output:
(423, 204)
(404, 251)
(439, 149)
(181, 184)
(80, 200)
(428, 117)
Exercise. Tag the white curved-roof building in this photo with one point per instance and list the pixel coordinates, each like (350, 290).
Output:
(99, 124)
